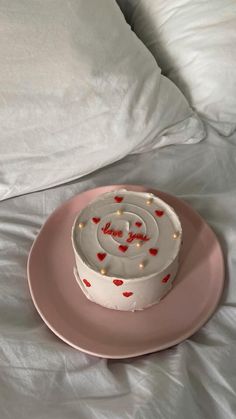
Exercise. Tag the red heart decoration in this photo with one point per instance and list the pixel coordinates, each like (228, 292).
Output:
(159, 213)
(127, 294)
(86, 283)
(118, 198)
(138, 224)
(118, 282)
(123, 248)
(101, 256)
(153, 252)
(167, 277)
(96, 220)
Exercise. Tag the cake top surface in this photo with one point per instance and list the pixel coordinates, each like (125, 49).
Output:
(127, 234)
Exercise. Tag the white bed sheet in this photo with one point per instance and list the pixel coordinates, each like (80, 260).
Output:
(43, 378)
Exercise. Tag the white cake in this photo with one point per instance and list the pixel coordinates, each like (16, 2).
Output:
(126, 247)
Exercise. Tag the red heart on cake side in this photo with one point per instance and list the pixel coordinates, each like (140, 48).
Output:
(118, 198)
(123, 248)
(138, 224)
(101, 256)
(118, 282)
(85, 281)
(159, 213)
(166, 278)
(153, 251)
(127, 294)
(96, 220)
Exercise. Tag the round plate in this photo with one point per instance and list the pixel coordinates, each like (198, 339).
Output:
(115, 334)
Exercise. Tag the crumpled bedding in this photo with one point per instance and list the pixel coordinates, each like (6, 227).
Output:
(41, 377)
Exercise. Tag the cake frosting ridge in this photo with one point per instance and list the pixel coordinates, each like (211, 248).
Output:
(126, 247)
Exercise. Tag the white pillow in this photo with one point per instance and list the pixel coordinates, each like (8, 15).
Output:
(194, 42)
(78, 90)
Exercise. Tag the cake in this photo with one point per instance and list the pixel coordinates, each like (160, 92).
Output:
(126, 246)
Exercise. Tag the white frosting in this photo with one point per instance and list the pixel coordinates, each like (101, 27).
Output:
(107, 241)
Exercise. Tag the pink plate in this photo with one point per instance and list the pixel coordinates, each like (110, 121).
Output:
(114, 334)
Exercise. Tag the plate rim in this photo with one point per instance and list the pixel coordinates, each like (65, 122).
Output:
(154, 348)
